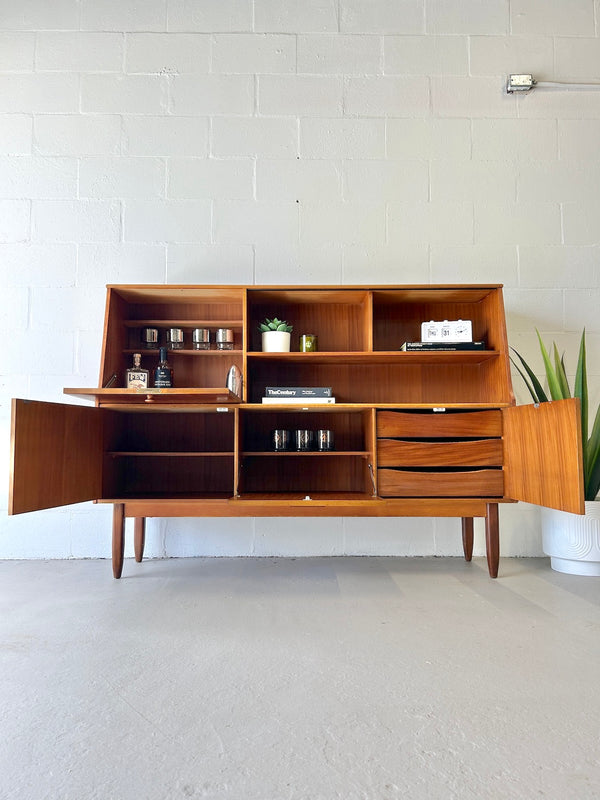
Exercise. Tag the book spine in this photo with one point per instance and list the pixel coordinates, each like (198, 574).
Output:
(298, 391)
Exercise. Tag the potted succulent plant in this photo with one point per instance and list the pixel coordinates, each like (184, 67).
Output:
(571, 540)
(275, 335)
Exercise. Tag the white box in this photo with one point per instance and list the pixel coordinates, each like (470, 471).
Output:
(458, 330)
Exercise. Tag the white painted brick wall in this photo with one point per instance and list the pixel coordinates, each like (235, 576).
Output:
(121, 177)
(76, 135)
(276, 141)
(165, 136)
(252, 136)
(179, 52)
(300, 180)
(62, 51)
(166, 221)
(16, 51)
(16, 134)
(342, 138)
(211, 178)
(339, 54)
(251, 53)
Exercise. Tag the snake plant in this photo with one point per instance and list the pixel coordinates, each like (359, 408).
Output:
(558, 386)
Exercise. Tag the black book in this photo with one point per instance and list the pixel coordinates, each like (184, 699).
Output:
(298, 391)
(431, 346)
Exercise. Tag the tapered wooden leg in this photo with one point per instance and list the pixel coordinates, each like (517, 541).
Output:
(467, 537)
(492, 539)
(139, 537)
(118, 539)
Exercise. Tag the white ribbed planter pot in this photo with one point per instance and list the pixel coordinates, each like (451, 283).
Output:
(276, 342)
(573, 540)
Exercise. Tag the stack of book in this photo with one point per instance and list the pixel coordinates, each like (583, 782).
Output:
(298, 394)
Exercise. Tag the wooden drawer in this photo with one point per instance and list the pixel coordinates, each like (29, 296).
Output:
(476, 453)
(463, 483)
(439, 424)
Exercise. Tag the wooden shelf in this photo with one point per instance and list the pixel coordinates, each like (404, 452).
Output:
(183, 323)
(300, 498)
(444, 357)
(318, 453)
(167, 454)
(157, 396)
(333, 407)
(181, 351)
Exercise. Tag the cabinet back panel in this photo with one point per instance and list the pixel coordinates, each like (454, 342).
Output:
(134, 338)
(348, 428)
(201, 371)
(395, 324)
(179, 432)
(385, 383)
(184, 311)
(171, 476)
(339, 327)
(304, 474)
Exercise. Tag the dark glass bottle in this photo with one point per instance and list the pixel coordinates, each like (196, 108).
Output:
(163, 374)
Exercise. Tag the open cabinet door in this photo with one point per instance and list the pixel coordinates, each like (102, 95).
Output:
(543, 455)
(56, 455)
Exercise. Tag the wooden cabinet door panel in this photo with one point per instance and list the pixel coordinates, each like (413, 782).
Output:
(543, 461)
(56, 455)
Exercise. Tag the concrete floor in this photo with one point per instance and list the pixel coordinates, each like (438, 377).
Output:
(298, 679)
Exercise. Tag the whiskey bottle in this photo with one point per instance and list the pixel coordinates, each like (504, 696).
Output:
(136, 377)
(163, 374)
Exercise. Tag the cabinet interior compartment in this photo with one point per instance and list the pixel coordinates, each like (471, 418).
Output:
(164, 454)
(341, 319)
(399, 381)
(308, 474)
(398, 314)
(198, 369)
(350, 429)
(343, 471)
(131, 309)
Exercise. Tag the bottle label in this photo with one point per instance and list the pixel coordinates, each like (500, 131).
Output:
(137, 380)
(162, 378)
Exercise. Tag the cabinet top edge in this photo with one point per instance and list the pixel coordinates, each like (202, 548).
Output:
(301, 286)
(235, 293)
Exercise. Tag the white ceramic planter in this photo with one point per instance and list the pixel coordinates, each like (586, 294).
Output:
(276, 342)
(573, 540)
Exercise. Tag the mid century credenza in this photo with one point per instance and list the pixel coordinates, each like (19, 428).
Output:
(433, 433)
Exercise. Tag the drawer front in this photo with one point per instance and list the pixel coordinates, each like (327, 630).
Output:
(472, 483)
(439, 424)
(478, 453)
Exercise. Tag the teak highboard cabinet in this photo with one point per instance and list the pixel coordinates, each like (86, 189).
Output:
(416, 433)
